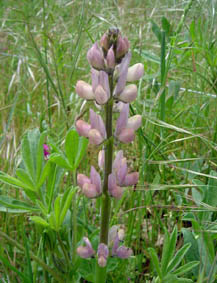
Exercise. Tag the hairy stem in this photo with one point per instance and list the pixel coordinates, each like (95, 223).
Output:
(106, 201)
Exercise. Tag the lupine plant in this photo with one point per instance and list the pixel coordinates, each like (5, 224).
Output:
(110, 73)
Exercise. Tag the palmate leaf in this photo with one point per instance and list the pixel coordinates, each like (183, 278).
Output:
(75, 147)
(9, 204)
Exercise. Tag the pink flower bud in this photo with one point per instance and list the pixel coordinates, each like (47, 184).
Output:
(82, 179)
(100, 95)
(124, 252)
(122, 46)
(121, 172)
(126, 135)
(95, 57)
(114, 190)
(85, 251)
(110, 58)
(134, 122)
(89, 190)
(101, 159)
(104, 42)
(135, 72)
(128, 94)
(95, 179)
(46, 151)
(102, 254)
(95, 137)
(131, 179)
(84, 90)
(82, 128)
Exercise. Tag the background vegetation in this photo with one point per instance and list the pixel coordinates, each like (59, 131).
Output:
(43, 46)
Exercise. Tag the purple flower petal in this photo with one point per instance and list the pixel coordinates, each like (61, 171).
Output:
(123, 70)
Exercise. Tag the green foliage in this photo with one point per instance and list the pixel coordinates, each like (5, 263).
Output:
(167, 268)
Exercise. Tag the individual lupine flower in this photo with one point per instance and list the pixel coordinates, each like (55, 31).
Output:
(100, 84)
(85, 251)
(120, 171)
(125, 128)
(46, 150)
(128, 94)
(98, 132)
(91, 187)
(82, 128)
(102, 254)
(95, 57)
(120, 251)
(135, 72)
(113, 189)
(122, 71)
(84, 90)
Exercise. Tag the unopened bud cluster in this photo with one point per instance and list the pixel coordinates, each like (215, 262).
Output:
(112, 80)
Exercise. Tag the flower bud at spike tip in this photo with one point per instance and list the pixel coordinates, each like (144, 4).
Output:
(128, 94)
(95, 57)
(110, 58)
(134, 122)
(102, 254)
(131, 179)
(82, 128)
(89, 190)
(126, 135)
(95, 137)
(84, 90)
(82, 179)
(122, 46)
(100, 95)
(135, 72)
(104, 42)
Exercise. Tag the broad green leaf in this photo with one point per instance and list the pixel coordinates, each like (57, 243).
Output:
(57, 211)
(186, 268)
(60, 161)
(45, 172)
(39, 220)
(42, 207)
(178, 257)
(75, 147)
(7, 179)
(211, 195)
(156, 30)
(66, 204)
(166, 251)
(25, 178)
(155, 261)
(15, 204)
(29, 146)
(71, 146)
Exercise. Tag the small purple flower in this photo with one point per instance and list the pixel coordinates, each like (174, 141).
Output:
(85, 251)
(46, 151)
(102, 254)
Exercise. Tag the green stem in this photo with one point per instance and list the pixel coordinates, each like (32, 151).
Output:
(74, 221)
(63, 249)
(106, 201)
